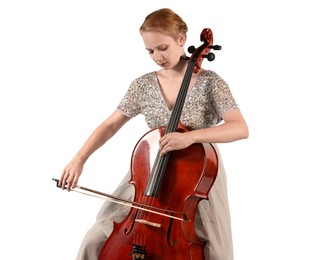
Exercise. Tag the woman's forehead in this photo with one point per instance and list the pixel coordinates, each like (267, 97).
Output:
(153, 39)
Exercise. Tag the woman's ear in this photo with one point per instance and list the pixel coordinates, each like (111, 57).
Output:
(182, 39)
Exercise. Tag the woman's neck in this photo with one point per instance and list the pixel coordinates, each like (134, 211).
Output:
(178, 71)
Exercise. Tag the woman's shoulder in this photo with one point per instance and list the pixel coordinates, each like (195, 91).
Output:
(144, 80)
(147, 76)
(214, 77)
(211, 74)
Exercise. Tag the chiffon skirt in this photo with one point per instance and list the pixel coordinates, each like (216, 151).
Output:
(212, 221)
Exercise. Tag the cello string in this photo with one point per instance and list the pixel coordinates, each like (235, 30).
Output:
(161, 162)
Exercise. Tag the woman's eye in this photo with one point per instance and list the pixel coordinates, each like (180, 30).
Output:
(163, 48)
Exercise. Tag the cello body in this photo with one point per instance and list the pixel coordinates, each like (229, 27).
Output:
(188, 178)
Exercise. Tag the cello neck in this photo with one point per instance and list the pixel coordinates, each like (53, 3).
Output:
(176, 112)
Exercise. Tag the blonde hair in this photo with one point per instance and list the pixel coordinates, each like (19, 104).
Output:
(164, 21)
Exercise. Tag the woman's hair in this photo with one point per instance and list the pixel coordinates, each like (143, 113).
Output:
(164, 21)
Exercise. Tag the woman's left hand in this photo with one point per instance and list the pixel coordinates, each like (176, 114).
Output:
(174, 141)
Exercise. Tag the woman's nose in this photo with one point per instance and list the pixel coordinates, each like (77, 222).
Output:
(157, 57)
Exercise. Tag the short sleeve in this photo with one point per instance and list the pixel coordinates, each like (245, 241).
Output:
(130, 104)
(223, 100)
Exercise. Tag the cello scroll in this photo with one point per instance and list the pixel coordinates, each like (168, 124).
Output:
(203, 51)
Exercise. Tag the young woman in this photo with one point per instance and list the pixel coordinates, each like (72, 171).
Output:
(210, 112)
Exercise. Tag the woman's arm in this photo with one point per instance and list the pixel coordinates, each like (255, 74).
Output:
(99, 137)
(234, 128)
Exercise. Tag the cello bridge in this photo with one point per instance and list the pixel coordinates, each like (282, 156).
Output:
(145, 222)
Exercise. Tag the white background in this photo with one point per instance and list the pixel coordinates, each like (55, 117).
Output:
(65, 65)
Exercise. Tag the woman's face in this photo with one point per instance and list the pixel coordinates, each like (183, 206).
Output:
(164, 50)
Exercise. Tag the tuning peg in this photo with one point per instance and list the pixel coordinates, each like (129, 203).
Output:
(191, 49)
(216, 47)
(210, 56)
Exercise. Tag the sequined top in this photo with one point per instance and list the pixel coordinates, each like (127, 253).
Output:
(205, 103)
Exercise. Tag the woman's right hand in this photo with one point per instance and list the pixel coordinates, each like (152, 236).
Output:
(71, 173)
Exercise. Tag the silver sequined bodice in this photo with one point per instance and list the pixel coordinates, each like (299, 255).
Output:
(208, 99)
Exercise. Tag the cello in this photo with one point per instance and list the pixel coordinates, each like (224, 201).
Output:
(172, 184)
